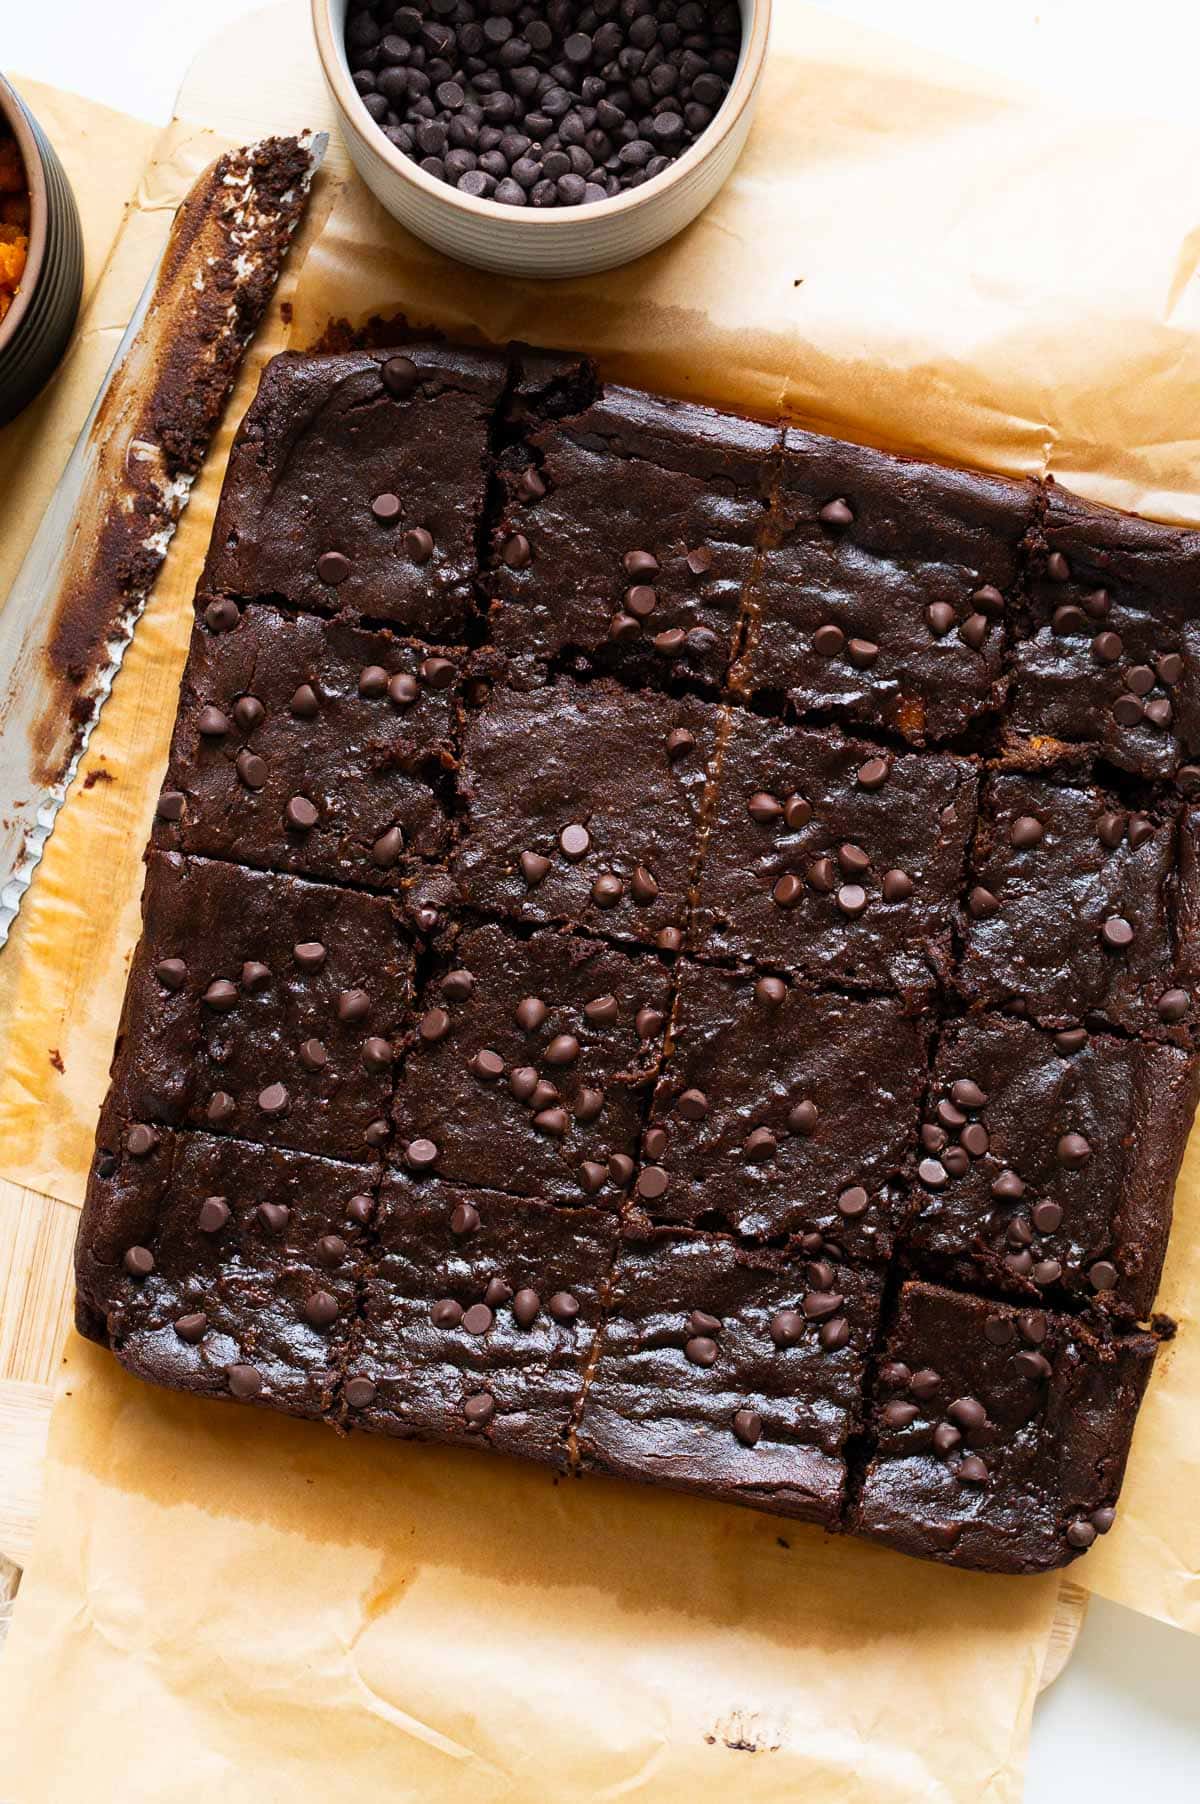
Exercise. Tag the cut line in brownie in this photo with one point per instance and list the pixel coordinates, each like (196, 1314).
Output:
(479, 1317)
(531, 1065)
(1048, 1162)
(627, 534)
(731, 1373)
(1107, 658)
(358, 482)
(1000, 1435)
(882, 595)
(263, 1007)
(780, 1112)
(310, 746)
(835, 859)
(1082, 909)
(216, 1266)
(582, 805)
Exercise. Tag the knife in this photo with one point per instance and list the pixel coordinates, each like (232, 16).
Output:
(93, 563)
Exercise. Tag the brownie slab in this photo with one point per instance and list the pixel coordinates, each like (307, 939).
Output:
(1050, 1161)
(833, 859)
(479, 1318)
(881, 597)
(531, 1064)
(357, 481)
(783, 1112)
(627, 535)
(1076, 908)
(215, 1266)
(730, 1373)
(583, 805)
(1107, 661)
(310, 746)
(1000, 1434)
(263, 1007)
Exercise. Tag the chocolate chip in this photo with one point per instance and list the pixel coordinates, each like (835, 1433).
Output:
(138, 1261)
(692, 1105)
(787, 1328)
(479, 1410)
(1026, 831)
(212, 1215)
(748, 1426)
(301, 814)
(172, 974)
(852, 900)
(760, 1144)
(1173, 1005)
(140, 1141)
(1080, 1533)
(898, 1414)
(940, 618)
(853, 1202)
(192, 1328)
(836, 513)
(310, 955)
(999, 1330)
(897, 886)
(387, 848)
(968, 1413)
(652, 1183)
(873, 774)
(333, 567)
(465, 1219)
(981, 903)
(221, 1107)
(945, 1439)
(420, 1154)
(552, 1121)
(386, 507)
(170, 805)
(1073, 1151)
(925, 1384)
(222, 616)
(649, 1023)
(770, 990)
(359, 1392)
(1071, 1040)
(828, 640)
(1102, 1275)
(534, 868)
(788, 891)
(607, 890)
(1117, 933)
(803, 1117)
(418, 545)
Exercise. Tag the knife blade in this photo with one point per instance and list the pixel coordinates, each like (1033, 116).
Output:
(93, 563)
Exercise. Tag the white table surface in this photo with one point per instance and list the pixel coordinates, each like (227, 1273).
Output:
(1124, 1719)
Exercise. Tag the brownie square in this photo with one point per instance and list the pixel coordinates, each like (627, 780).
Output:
(357, 481)
(1108, 659)
(627, 534)
(263, 1007)
(583, 805)
(783, 1112)
(882, 595)
(223, 1268)
(310, 746)
(1000, 1434)
(532, 1063)
(1076, 908)
(729, 1372)
(1050, 1160)
(833, 859)
(479, 1318)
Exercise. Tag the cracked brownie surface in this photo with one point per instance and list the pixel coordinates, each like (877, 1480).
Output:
(669, 949)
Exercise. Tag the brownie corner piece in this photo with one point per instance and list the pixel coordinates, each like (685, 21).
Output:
(479, 1316)
(884, 593)
(311, 746)
(783, 1112)
(531, 1064)
(1049, 1161)
(732, 1373)
(835, 858)
(221, 1267)
(1107, 659)
(357, 482)
(1080, 908)
(263, 1007)
(583, 806)
(627, 535)
(999, 1434)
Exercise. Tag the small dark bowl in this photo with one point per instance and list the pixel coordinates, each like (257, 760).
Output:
(38, 325)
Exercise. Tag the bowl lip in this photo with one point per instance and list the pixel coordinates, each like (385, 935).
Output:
(331, 52)
(14, 115)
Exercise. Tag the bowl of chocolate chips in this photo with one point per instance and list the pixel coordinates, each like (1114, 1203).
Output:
(543, 137)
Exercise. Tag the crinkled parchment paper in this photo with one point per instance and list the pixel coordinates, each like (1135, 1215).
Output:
(221, 1602)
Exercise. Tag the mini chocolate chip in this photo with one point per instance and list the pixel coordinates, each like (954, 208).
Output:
(803, 1117)
(213, 1215)
(747, 1426)
(679, 743)
(140, 1141)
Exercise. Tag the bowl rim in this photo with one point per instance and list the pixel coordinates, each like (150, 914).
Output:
(331, 51)
(12, 111)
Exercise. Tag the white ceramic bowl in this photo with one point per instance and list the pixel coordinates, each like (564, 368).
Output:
(567, 241)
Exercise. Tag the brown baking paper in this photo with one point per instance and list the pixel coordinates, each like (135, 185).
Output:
(220, 1600)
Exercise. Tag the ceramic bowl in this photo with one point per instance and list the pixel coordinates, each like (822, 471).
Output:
(38, 326)
(567, 241)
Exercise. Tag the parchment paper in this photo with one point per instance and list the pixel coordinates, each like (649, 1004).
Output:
(218, 1600)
